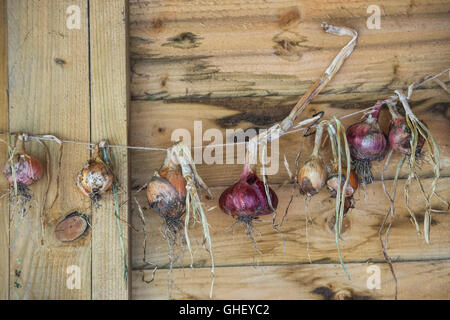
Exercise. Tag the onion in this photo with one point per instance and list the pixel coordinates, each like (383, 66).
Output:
(400, 134)
(166, 192)
(333, 182)
(247, 198)
(96, 177)
(367, 143)
(25, 169)
(313, 175)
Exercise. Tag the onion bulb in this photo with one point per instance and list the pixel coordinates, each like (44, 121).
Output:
(313, 175)
(367, 143)
(333, 182)
(352, 185)
(25, 169)
(247, 198)
(166, 192)
(96, 177)
(400, 134)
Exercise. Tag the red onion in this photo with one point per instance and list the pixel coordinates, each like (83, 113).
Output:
(27, 169)
(367, 143)
(247, 198)
(400, 134)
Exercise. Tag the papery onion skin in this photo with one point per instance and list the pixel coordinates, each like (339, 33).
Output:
(366, 140)
(400, 137)
(95, 179)
(28, 170)
(247, 198)
(333, 181)
(166, 193)
(312, 176)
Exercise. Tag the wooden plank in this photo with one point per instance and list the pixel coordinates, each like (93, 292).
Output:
(277, 48)
(154, 122)
(49, 93)
(425, 280)
(109, 116)
(4, 208)
(359, 243)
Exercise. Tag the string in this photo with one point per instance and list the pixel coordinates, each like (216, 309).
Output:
(301, 126)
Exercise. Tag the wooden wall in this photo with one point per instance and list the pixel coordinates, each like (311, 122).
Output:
(229, 64)
(71, 82)
(244, 64)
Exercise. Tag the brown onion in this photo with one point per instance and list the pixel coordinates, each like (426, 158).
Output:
(333, 182)
(166, 192)
(96, 178)
(313, 175)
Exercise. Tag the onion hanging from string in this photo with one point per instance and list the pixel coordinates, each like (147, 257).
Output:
(248, 199)
(312, 177)
(22, 170)
(96, 178)
(367, 143)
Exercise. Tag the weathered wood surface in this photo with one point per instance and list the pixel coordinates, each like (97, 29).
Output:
(49, 93)
(109, 121)
(4, 209)
(270, 48)
(417, 280)
(153, 123)
(359, 243)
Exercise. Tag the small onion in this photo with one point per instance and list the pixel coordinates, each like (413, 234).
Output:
(313, 175)
(166, 192)
(400, 134)
(27, 169)
(352, 185)
(96, 177)
(333, 182)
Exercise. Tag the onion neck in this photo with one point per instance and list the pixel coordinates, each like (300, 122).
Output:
(250, 158)
(317, 140)
(20, 146)
(393, 111)
(375, 112)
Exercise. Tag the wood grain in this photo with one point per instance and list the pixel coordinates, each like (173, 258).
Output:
(154, 123)
(4, 208)
(359, 243)
(259, 48)
(109, 116)
(49, 94)
(416, 280)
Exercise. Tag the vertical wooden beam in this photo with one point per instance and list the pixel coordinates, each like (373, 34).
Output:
(109, 121)
(4, 210)
(49, 94)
